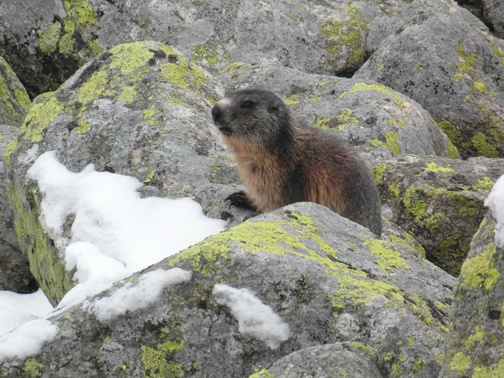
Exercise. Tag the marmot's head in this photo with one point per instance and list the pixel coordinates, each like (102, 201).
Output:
(255, 114)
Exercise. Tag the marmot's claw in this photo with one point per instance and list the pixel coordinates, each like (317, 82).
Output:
(240, 199)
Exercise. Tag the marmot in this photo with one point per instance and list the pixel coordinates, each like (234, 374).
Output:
(281, 161)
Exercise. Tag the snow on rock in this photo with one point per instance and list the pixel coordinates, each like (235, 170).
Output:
(495, 201)
(27, 340)
(132, 296)
(254, 317)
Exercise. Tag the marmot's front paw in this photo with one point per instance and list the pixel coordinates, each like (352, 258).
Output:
(241, 199)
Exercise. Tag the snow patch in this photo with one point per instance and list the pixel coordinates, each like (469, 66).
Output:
(495, 201)
(132, 297)
(254, 318)
(27, 340)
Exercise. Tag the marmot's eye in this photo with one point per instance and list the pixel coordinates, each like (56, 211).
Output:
(247, 104)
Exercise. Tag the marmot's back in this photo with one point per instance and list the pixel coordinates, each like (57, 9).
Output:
(281, 163)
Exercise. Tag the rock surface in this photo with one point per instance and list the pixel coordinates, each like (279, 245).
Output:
(327, 278)
(427, 90)
(462, 88)
(474, 347)
(439, 201)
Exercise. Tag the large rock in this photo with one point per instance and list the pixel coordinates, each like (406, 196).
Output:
(493, 13)
(14, 269)
(14, 101)
(47, 40)
(439, 201)
(455, 71)
(474, 346)
(327, 279)
(141, 110)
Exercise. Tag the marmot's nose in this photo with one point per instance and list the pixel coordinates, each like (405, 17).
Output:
(216, 112)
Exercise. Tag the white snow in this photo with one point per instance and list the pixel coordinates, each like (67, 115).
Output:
(115, 233)
(27, 339)
(495, 201)
(254, 317)
(132, 297)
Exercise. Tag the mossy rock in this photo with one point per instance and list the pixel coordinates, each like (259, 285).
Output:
(439, 201)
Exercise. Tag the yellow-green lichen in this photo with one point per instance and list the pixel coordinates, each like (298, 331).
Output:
(83, 127)
(361, 291)
(131, 59)
(465, 63)
(377, 88)
(275, 236)
(389, 260)
(460, 363)
(292, 100)
(49, 38)
(390, 143)
(230, 69)
(264, 373)
(439, 358)
(418, 365)
(149, 176)
(94, 87)
(346, 119)
(33, 367)
(450, 130)
(483, 185)
(434, 167)
(45, 262)
(9, 150)
(322, 122)
(81, 11)
(44, 111)
(477, 337)
(479, 271)
(127, 95)
(483, 147)
(378, 173)
(345, 39)
(202, 53)
(156, 364)
(495, 371)
(182, 73)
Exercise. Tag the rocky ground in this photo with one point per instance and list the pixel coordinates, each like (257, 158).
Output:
(416, 87)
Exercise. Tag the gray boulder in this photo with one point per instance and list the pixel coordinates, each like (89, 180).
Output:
(474, 346)
(14, 101)
(439, 201)
(321, 278)
(462, 87)
(14, 268)
(141, 110)
(493, 13)
(49, 40)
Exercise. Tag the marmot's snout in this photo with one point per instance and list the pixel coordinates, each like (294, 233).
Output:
(218, 116)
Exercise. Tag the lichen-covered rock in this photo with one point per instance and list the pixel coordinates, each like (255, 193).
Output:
(493, 13)
(141, 109)
(474, 346)
(14, 269)
(47, 40)
(462, 87)
(326, 278)
(14, 101)
(368, 115)
(439, 201)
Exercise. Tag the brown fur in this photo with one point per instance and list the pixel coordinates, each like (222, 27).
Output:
(281, 163)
